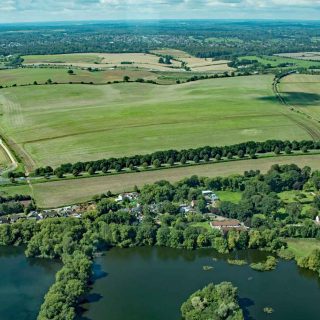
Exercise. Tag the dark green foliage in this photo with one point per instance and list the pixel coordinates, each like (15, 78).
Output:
(213, 302)
(159, 158)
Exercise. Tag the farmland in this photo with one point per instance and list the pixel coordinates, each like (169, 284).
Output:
(275, 61)
(64, 192)
(25, 76)
(134, 60)
(4, 159)
(302, 92)
(196, 64)
(55, 124)
(312, 56)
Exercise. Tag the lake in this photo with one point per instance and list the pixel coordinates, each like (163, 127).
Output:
(151, 283)
(24, 282)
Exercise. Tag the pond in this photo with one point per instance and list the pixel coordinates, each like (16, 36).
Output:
(151, 283)
(24, 282)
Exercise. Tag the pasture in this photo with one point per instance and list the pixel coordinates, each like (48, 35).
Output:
(56, 124)
(23, 76)
(64, 192)
(303, 93)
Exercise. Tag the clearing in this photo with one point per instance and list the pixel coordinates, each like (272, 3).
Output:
(55, 124)
(302, 247)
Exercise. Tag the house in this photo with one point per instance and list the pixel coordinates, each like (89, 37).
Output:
(228, 224)
(48, 214)
(210, 196)
(15, 217)
(184, 208)
(131, 196)
(4, 220)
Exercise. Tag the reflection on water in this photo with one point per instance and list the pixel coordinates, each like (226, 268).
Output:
(151, 283)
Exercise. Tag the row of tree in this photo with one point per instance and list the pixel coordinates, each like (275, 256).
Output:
(172, 157)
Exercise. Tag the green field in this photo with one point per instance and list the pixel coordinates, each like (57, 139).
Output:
(23, 76)
(4, 159)
(274, 61)
(55, 124)
(302, 247)
(303, 93)
(62, 58)
(64, 192)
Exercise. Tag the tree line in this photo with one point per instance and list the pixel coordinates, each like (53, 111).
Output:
(174, 157)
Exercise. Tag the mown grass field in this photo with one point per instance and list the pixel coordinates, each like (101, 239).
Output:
(64, 192)
(24, 76)
(56, 124)
(302, 92)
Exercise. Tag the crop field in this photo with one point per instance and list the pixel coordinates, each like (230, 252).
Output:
(302, 92)
(314, 56)
(274, 61)
(197, 64)
(23, 76)
(64, 192)
(103, 60)
(56, 124)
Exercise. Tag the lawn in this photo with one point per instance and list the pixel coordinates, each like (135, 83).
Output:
(55, 124)
(302, 92)
(302, 247)
(23, 76)
(234, 197)
(64, 192)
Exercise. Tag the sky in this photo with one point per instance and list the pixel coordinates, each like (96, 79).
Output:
(70, 10)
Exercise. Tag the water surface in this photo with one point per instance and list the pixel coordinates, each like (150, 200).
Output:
(152, 283)
(24, 282)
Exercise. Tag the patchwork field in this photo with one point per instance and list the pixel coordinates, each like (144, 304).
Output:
(196, 64)
(134, 60)
(66, 192)
(23, 76)
(103, 60)
(67, 123)
(302, 92)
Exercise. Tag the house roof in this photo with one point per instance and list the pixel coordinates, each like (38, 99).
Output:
(226, 223)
